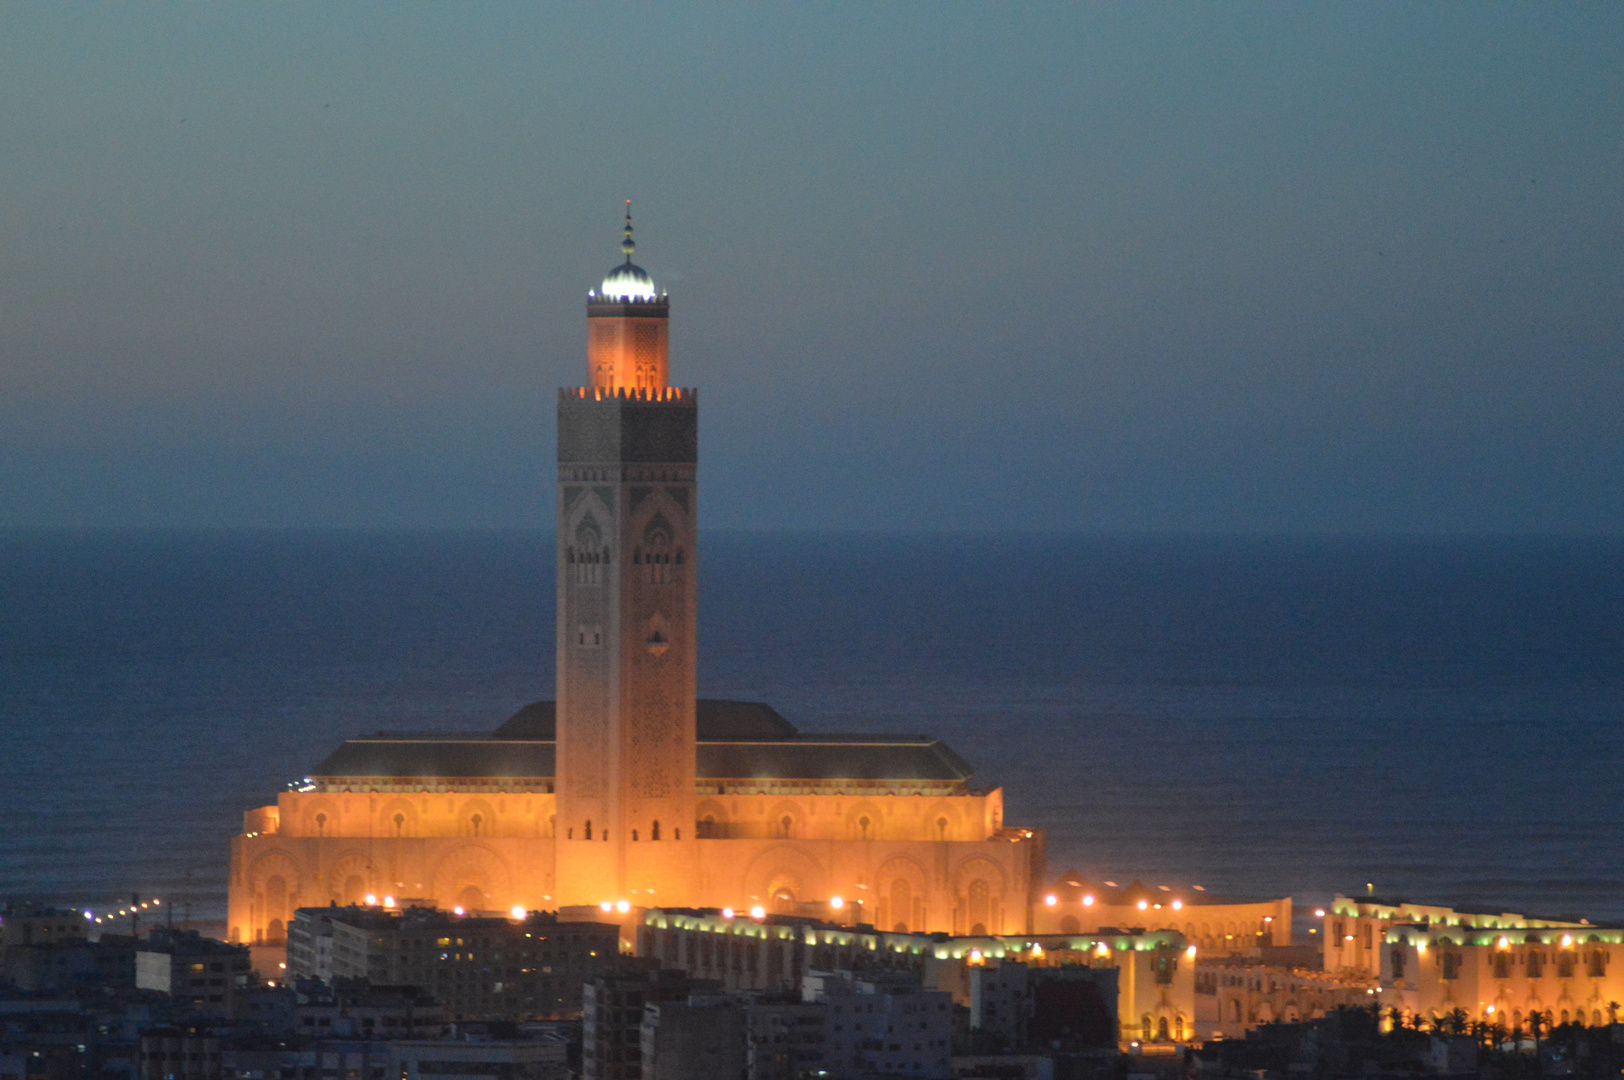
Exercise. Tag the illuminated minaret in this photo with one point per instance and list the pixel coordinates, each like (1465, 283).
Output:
(627, 447)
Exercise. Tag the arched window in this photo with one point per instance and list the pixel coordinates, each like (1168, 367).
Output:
(400, 824)
(901, 905)
(1146, 1027)
(475, 822)
(1598, 964)
(1161, 1028)
(321, 824)
(786, 825)
(863, 824)
(979, 903)
(654, 832)
(1564, 964)
(1536, 963)
(941, 828)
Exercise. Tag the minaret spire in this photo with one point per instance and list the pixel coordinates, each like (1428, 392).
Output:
(628, 245)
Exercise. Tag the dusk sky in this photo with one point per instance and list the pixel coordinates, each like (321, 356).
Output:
(1257, 268)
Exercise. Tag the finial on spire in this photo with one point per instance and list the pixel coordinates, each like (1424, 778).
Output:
(628, 245)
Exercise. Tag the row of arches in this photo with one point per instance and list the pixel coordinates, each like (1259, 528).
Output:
(404, 817)
(790, 819)
(899, 898)
(473, 877)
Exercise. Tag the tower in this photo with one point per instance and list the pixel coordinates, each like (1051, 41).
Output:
(627, 450)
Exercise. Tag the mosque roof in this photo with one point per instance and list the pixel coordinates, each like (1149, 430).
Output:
(738, 740)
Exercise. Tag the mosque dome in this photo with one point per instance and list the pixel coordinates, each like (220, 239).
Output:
(628, 281)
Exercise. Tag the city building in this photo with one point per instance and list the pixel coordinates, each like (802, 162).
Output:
(1505, 973)
(1233, 995)
(612, 1018)
(1355, 926)
(211, 975)
(883, 1023)
(1154, 970)
(628, 789)
(475, 967)
(1053, 1007)
(1216, 925)
(693, 1040)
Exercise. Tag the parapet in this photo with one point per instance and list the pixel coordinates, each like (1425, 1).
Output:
(662, 395)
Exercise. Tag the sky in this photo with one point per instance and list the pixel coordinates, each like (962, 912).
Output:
(1108, 268)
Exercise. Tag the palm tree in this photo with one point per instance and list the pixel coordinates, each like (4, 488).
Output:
(1612, 1012)
(1536, 1021)
(1457, 1020)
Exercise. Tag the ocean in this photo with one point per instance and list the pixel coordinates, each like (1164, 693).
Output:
(1437, 718)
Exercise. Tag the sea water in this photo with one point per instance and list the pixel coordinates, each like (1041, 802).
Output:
(1437, 718)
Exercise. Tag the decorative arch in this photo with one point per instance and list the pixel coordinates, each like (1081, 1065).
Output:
(902, 895)
(274, 882)
(350, 878)
(786, 821)
(477, 818)
(320, 817)
(978, 897)
(943, 822)
(470, 868)
(398, 818)
(710, 820)
(865, 821)
(785, 869)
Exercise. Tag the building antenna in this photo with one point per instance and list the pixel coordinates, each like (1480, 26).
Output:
(628, 245)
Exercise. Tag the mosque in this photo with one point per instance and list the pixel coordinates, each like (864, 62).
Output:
(629, 791)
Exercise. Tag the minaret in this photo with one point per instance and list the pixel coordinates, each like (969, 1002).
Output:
(627, 447)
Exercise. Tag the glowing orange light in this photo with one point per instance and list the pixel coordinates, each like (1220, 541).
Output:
(1088, 901)
(1143, 904)
(518, 911)
(727, 913)
(1178, 905)
(607, 905)
(837, 902)
(758, 912)
(1051, 900)
(457, 910)
(372, 901)
(622, 906)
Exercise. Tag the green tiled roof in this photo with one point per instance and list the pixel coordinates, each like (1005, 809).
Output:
(739, 740)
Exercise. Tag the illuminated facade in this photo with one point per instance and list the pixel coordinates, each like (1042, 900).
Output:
(1492, 966)
(1215, 925)
(628, 790)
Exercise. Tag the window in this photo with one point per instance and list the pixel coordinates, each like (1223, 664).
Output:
(654, 833)
(1564, 964)
(1502, 965)
(1450, 962)
(1536, 964)
(589, 635)
(1598, 964)
(1398, 963)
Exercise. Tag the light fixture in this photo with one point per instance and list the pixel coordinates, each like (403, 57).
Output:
(623, 906)
(518, 911)
(758, 912)
(1051, 900)
(727, 913)
(837, 902)
(1088, 901)
(372, 900)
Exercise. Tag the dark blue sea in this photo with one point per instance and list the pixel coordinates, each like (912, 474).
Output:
(1441, 718)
